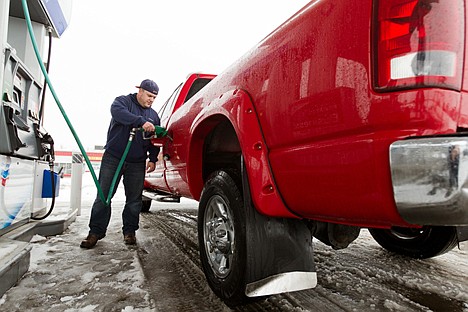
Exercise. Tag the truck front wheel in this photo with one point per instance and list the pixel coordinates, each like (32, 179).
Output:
(145, 204)
(425, 242)
(221, 235)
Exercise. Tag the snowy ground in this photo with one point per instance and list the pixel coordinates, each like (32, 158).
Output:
(64, 277)
(162, 273)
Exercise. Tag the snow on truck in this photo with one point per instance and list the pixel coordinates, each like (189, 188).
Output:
(342, 118)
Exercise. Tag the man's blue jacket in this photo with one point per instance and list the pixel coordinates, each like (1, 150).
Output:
(127, 113)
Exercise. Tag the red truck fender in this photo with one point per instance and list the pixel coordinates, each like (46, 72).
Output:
(236, 106)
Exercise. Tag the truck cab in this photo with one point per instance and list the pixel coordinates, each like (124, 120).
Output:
(161, 184)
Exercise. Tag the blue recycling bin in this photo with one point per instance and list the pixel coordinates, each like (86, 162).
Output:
(47, 184)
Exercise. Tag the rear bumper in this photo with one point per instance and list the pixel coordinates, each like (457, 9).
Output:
(430, 180)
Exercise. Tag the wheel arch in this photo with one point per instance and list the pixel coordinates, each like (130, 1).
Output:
(214, 145)
(226, 130)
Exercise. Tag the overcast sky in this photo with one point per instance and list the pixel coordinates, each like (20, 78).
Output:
(110, 46)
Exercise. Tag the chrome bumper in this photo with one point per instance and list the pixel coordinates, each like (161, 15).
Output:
(430, 180)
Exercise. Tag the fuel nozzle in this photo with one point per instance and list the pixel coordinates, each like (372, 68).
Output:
(160, 132)
(48, 147)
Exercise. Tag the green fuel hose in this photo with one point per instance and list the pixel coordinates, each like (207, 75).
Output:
(119, 167)
(52, 90)
(77, 139)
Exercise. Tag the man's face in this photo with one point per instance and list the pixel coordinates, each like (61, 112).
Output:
(145, 98)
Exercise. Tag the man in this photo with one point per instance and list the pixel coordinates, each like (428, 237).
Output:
(128, 111)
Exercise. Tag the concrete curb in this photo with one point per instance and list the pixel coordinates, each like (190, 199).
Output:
(15, 248)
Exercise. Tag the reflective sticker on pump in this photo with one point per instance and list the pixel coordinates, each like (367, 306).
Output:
(5, 170)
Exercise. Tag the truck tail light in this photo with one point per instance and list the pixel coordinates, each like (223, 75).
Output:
(418, 43)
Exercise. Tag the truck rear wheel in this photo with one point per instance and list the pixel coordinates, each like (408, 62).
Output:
(221, 235)
(426, 242)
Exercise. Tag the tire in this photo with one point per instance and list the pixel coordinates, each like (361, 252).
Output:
(426, 242)
(146, 204)
(221, 236)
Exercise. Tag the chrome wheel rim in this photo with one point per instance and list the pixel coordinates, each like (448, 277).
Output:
(219, 236)
(407, 233)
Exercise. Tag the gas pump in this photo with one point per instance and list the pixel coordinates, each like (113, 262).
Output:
(26, 149)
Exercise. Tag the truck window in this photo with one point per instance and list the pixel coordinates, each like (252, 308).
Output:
(166, 109)
(196, 86)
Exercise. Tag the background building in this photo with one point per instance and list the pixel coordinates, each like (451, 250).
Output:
(63, 161)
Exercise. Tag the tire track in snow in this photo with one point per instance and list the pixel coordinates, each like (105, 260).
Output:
(180, 227)
(362, 277)
(388, 282)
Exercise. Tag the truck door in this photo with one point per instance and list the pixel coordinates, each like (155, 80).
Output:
(175, 150)
(157, 178)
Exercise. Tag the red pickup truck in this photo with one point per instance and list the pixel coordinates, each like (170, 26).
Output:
(345, 117)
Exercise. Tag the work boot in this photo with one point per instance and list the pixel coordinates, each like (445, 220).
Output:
(130, 239)
(91, 240)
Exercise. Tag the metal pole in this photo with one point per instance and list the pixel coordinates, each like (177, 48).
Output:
(4, 17)
(76, 183)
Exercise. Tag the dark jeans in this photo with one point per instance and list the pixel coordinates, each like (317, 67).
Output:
(133, 179)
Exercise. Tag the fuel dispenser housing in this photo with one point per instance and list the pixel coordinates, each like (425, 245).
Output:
(26, 149)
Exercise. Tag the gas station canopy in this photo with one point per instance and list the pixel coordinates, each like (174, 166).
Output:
(53, 13)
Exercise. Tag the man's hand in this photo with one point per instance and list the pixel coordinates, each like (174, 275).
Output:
(148, 127)
(150, 166)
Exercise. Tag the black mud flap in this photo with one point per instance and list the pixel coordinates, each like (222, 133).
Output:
(279, 252)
